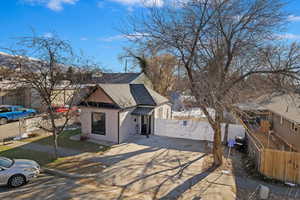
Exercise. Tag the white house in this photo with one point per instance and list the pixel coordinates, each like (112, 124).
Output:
(114, 112)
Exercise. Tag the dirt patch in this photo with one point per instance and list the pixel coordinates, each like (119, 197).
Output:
(245, 194)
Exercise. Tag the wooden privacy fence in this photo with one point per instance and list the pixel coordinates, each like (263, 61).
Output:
(281, 165)
(254, 150)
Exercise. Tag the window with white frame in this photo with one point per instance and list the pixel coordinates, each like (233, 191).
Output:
(294, 127)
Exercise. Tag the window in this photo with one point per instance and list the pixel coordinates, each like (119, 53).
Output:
(294, 127)
(98, 123)
(6, 162)
(5, 109)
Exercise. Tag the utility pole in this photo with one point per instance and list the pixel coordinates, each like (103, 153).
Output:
(125, 66)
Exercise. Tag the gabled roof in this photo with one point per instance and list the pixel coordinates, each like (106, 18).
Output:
(130, 95)
(285, 105)
(6, 60)
(249, 106)
(119, 78)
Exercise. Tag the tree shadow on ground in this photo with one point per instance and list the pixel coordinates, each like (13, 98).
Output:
(188, 184)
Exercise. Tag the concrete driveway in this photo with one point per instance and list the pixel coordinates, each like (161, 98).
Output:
(142, 169)
(163, 168)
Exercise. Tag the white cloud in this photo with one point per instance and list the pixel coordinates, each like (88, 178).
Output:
(130, 9)
(293, 18)
(100, 4)
(146, 3)
(83, 39)
(289, 36)
(48, 35)
(112, 38)
(131, 36)
(136, 35)
(55, 5)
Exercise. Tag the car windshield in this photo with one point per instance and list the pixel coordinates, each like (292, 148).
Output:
(4, 109)
(21, 109)
(6, 162)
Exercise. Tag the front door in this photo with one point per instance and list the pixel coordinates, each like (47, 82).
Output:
(145, 125)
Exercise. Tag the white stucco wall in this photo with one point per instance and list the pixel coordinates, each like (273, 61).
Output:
(191, 129)
(128, 124)
(111, 123)
(166, 111)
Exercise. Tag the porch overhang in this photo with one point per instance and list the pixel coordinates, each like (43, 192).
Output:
(142, 111)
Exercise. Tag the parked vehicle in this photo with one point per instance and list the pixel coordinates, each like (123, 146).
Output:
(241, 144)
(17, 172)
(63, 109)
(9, 113)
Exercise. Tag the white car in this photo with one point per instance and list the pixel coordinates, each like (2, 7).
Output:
(16, 172)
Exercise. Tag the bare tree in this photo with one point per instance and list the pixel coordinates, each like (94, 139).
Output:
(221, 43)
(44, 64)
(160, 69)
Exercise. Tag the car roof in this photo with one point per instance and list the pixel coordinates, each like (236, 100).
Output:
(2, 157)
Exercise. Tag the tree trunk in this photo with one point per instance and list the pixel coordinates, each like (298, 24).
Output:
(226, 133)
(217, 148)
(55, 145)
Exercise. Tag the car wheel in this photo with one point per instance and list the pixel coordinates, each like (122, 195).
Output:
(17, 180)
(3, 121)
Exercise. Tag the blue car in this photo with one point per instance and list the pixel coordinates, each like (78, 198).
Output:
(10, 113)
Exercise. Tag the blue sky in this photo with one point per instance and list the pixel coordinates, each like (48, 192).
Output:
(89, 25)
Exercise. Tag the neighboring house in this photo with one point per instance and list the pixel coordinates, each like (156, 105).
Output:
(12, 93)
(283, 112)
(114, 112)
(119, 78)
(16, 94)
(285, 117)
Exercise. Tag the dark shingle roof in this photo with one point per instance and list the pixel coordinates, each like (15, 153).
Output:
(141, 95)
(142, 111)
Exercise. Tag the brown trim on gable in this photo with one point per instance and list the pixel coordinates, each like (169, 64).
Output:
(89, 94)
(107, 95)
(93, 90)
